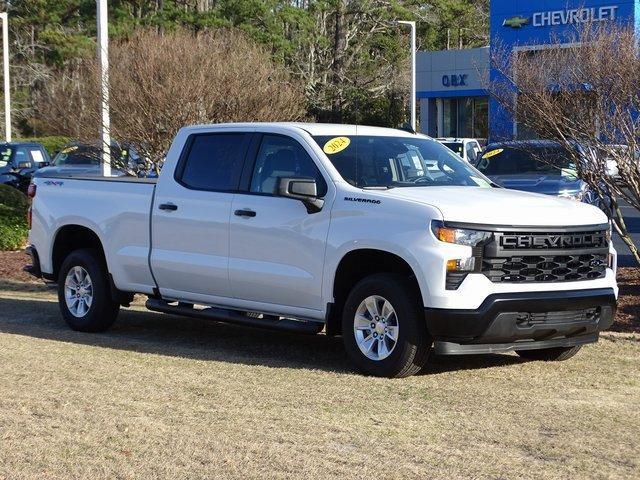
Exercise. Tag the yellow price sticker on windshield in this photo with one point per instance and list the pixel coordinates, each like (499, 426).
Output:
(336, 145)
(493, 152)
(69, 149)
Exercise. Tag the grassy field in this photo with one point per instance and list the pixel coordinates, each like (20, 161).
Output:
(167, 397)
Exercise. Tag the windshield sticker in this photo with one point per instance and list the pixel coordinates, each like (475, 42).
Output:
(336, 145)
(491, 153)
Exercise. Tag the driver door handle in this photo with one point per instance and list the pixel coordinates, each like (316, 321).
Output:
(168, 206)
(244, 213)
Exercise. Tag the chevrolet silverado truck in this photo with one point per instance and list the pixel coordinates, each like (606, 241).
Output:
(384, 237)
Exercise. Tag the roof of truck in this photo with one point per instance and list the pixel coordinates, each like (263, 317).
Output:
(318, 129)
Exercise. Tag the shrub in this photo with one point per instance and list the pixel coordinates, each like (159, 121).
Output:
(52, 144)
(159, 83)
(15, 202)
(13, 221)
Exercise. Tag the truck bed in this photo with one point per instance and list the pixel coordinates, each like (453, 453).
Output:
(117, 209)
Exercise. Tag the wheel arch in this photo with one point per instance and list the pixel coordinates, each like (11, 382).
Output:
(72, 237)
(354, 266)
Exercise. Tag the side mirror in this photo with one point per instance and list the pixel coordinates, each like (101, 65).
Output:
(303, 189)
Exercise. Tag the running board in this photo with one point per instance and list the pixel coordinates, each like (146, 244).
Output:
(231, 316)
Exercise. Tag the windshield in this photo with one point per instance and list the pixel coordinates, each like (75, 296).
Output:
(83, 155)
(76, 155)
(373, 161)
(5, 156)
(526, 161)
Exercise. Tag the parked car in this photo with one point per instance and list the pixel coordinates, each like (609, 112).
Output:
(538, 166)
(86, 159)
(301, 227)
(18, 162)
(467, 148)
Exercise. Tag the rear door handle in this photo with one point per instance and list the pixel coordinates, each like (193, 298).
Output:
(244, 213)
(168, 206)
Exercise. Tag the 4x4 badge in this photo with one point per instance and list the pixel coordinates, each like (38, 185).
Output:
(515, 22)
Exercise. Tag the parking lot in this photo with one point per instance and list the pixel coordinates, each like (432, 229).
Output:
(163, 396)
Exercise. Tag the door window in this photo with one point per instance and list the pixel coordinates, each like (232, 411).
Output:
(279, 157)
(214, 162)
(23, 158)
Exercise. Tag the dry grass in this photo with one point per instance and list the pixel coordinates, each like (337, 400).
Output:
(167, 397)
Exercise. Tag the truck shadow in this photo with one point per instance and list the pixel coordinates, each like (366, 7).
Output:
(148, 332)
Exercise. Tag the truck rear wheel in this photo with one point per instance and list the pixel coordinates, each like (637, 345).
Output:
(549, 354)
(84, 294)
(383, 327)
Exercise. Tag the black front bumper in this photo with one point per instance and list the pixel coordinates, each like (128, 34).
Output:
(519, 321)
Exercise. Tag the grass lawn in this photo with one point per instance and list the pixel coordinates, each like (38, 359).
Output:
(166, 397)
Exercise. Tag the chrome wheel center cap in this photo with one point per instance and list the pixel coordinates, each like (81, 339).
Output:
(380, 328)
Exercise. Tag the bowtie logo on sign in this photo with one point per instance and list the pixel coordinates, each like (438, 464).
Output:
(454, 80)
(515, 22)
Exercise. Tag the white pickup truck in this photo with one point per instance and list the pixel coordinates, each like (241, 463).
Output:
(382, 236)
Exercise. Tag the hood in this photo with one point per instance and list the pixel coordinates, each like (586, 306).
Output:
(546, 184)
(499, 206)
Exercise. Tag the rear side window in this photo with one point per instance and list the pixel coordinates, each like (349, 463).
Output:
(214, 162)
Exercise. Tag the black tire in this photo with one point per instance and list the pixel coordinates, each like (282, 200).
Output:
(550, 354)
(413, 342)
(103, 310)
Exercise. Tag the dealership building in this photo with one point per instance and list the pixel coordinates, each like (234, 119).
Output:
(451, 84)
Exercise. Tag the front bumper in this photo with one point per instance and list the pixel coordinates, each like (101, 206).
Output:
(519, 321)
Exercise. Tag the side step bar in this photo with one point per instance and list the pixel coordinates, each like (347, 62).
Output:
(231, 316)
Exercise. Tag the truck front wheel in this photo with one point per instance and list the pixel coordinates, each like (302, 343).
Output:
(383, 326)
(549, 354)
(84, 294)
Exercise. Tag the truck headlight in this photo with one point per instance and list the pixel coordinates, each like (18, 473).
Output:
(459, 236)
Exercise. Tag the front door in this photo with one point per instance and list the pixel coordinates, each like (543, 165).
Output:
(277, 248)
(190, 220)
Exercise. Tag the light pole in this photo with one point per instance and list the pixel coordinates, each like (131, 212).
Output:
(103, 54)
(7, 83)
(413, 70)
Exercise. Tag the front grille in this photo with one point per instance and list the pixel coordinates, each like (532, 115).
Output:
(545, 268)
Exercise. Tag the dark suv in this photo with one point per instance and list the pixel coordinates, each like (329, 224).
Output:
(18, 162)
(539, 166)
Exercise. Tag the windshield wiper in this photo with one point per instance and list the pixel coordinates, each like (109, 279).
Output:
(381, 187)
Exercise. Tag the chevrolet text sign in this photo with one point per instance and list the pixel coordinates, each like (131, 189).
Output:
(574, 16)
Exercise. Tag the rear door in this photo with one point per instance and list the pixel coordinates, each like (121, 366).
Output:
(190, 220)
(277, 247)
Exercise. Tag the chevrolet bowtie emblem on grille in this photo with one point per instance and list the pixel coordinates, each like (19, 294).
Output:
(515, 22)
